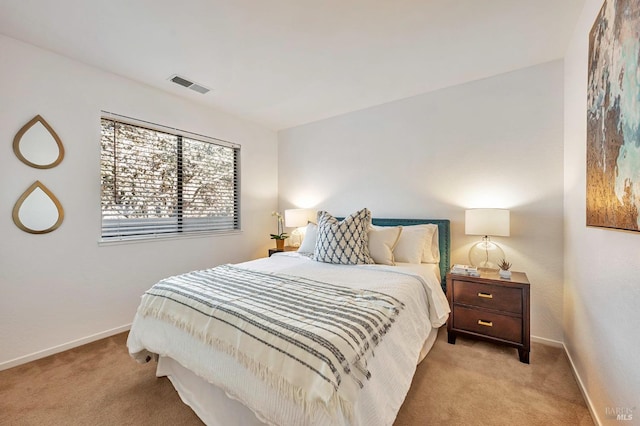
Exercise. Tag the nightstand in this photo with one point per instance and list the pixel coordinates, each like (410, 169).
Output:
(490, 308)
(286, 248)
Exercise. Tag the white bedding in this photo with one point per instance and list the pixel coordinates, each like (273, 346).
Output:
(392, 367)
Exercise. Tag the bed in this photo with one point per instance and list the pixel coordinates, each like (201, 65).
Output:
(341, 345)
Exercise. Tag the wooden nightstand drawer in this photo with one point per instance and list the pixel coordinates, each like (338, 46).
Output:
(488, 296)
(503, 327)
(491, 308)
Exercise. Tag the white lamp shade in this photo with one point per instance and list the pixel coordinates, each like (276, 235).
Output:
(491, 222)
(296, 218)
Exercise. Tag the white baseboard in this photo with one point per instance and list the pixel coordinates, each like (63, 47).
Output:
(547, 342)
(61, 348)
(583, 390)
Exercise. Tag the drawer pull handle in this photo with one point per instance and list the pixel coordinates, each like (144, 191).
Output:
(486, 295)
(485, 323)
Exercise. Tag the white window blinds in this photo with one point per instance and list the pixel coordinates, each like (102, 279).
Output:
(158, 181)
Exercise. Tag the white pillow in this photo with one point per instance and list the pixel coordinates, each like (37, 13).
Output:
(411, 244)
(309, 241)
(418, 244)
(431, 252)
(382, 241)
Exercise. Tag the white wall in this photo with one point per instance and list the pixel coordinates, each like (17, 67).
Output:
(491, 143)
(62, 288)
(602, 267)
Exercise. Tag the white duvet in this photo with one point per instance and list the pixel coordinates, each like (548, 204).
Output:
(392, 367)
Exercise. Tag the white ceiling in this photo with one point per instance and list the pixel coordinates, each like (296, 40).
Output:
(288, 62)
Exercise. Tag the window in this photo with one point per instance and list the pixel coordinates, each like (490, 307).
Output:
(158, 181)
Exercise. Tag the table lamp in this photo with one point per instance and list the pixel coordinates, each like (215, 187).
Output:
(488, 223)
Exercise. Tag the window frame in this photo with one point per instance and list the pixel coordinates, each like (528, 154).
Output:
(180, 134)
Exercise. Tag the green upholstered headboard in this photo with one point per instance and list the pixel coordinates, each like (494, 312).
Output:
(444, 239)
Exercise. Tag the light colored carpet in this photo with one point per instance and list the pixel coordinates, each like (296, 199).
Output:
(469, 383)
(480, 383)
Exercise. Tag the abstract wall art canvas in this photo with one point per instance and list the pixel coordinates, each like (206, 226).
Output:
(613, 117)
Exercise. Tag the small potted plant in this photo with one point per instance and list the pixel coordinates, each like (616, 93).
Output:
(280, 236)
(504, 269)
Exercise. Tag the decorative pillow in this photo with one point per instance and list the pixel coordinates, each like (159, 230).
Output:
(344, 242)
(417, 245)
(309, 241)
(382, 241)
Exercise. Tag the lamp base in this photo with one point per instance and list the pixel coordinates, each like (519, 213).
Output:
(486, 254)
(296, 238)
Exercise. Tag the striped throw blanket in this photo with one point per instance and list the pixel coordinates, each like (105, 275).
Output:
(310, 340)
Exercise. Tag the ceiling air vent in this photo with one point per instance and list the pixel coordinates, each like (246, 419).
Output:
(189, 84)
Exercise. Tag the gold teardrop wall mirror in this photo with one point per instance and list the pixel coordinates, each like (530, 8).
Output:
(38, 211)
(37, 144)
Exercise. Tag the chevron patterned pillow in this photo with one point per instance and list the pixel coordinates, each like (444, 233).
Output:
(344, 242)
